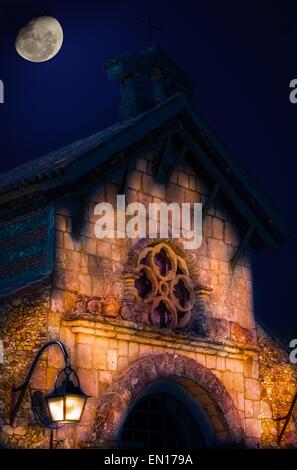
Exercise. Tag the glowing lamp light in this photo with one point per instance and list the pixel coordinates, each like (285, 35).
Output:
(66, 403)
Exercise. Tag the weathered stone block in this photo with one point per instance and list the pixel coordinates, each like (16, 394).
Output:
(255, 369)
(252, 389)
(175, 193)
(218, 228)
(84, 355)
(112, 359)
(91, 246)
(210, 362)
(51, 375)
(99, 359)
(235, 365)
(123, 348)
(207, 227)
(200, 358)
(231, 235)
(240, 401)
(150, 186)
(134, 180)
(68, 242)
(238, 382)
(257, 409)
(104, 249)
(84, 338)
(60, 223)
(141, 165)
(122, 362)
(221, 364)
(249, 409)
(253, 427)
(73, 261)
(105, 377)
(89, 381)
(38, 380)
(183, 179)
(133, 351)
(192, 196)
(55, 358)
(193, 182)
(242, 335)
(59, 239)
(145, 349)
(228, 380)
(218, 249)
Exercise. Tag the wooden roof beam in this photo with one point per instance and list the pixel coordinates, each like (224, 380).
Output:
(210, 200)
(175, 162)
(124, 184)
(227, 188)
(163, 156)
(241, 248)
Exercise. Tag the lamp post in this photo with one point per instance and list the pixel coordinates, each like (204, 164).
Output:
(286, 419)
(64, 405)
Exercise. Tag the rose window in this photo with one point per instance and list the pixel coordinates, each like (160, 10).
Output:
(165, 285)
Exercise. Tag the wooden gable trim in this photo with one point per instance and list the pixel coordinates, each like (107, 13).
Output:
(175, 162)
(124, 184)
(228, 190)
(210, 200)
(256, 195)
(241, 248)
(150, 122)
(162, 158)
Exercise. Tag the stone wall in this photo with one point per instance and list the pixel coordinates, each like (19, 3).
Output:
(23, 330)
(105, 339)
(87, 309)
(94, 268)
(104, 351)
(278, 378)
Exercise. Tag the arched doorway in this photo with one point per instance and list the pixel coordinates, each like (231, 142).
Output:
(192, 377)
(164, 417)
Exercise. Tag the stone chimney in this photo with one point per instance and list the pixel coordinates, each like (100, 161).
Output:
(146, 78)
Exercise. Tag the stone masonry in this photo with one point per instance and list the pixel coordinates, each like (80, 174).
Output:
(135, 312)
(102, 347)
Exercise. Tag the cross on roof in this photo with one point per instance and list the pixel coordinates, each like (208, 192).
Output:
(150, 27)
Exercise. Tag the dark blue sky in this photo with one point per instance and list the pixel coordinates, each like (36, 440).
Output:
(241, 57)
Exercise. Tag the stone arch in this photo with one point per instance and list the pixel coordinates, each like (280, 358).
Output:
(208, 390)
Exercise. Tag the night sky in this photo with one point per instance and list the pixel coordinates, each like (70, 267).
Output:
(241, 57)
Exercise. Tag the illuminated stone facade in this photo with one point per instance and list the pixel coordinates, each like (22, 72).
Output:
(120, 340)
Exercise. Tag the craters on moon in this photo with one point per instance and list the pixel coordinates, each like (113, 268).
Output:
(40, 39)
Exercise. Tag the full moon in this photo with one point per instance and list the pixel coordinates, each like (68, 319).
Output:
(40, 39)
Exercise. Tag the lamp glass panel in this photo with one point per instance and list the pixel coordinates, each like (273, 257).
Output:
(74, 407)
(56, 408)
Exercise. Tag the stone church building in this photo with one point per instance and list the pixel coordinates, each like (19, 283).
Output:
(163, 338)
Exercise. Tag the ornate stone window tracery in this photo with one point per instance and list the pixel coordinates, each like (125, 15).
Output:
(164, 284)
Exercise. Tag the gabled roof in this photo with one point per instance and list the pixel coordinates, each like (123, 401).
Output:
(103, 143)
(68, 164)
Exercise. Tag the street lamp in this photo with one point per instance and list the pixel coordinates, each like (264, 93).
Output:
(64, 405)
